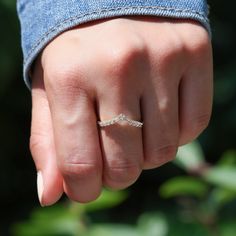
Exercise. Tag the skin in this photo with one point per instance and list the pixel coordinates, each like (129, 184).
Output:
(151, 69)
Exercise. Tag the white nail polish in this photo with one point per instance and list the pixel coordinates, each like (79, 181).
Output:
(40, 186)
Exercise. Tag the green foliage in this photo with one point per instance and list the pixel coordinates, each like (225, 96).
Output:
(206, 190)
(108, 199)
(63, 220)
(222, 176)
(228, 228)
(228, 159)
(153, 224)
(112, 229)
(190, 157)
(222, 196)
(57, 220)
(201, 196)
(9, 44)
(71, 219)
(183, 186)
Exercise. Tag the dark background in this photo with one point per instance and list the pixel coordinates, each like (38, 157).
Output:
(17, 173)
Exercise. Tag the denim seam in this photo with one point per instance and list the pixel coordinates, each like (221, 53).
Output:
(54, 28)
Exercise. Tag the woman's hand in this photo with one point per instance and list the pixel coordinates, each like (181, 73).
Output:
(155, 70)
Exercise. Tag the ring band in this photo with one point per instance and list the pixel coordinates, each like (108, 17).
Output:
(120, 118)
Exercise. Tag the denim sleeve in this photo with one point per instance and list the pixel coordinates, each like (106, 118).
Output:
(42, 20)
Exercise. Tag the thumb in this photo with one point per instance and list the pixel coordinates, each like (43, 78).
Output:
(49, 179)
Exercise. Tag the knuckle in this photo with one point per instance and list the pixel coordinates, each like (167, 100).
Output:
(198, 41)
(165, 104)
(73, 165)
(177, 47)
(173, 45)
(200, 48)
(38, 143)
(200, 123)
(59, 71)
(194, 127)
(166, 55)
(65, 76)
(123, 55)
(92, 196)
(122, 176)
(161, 155)
(77, 170)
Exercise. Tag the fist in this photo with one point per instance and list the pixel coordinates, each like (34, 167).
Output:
(158, 71)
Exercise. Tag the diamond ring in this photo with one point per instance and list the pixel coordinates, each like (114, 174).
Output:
(118, 119)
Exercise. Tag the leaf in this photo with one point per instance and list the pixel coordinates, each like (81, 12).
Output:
(63, 220)
(182, 186)
(222, 196)
(190, 156)
(51, 221)
(112, 230)
(225, 89)
(108, 199)
(227, 228)
(9, 4)
(228, 158)
(153, 224)
(224, 177)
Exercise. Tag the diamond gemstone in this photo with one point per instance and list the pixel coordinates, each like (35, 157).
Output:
(117, 119)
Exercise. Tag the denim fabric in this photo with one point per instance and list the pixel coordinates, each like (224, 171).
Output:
(42, 20)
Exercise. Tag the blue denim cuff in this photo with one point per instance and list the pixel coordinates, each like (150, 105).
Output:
(43, 20)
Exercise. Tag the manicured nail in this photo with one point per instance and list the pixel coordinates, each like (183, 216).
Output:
(40, 186)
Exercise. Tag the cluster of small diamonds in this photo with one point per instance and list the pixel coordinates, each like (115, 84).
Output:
(119, 118)
(134, 123)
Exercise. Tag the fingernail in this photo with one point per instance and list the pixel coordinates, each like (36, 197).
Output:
(40, 186)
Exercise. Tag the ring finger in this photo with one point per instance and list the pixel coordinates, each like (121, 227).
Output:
(121, 143)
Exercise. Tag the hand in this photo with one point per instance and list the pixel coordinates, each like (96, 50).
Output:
(155, 70)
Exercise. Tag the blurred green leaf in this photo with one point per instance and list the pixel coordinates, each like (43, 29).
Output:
(228, 158)
(56, 220)
(224, 177)
(66, 220)
(107, 199)
(182, 186)
(190, 156)
(153, 224)
(112, 230)
(9, 4)
(225, 89)
(222, 196)
(228, 228)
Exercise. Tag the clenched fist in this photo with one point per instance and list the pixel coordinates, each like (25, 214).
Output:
(158, 71)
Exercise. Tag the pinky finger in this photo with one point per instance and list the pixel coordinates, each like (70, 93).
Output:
(196, 95)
